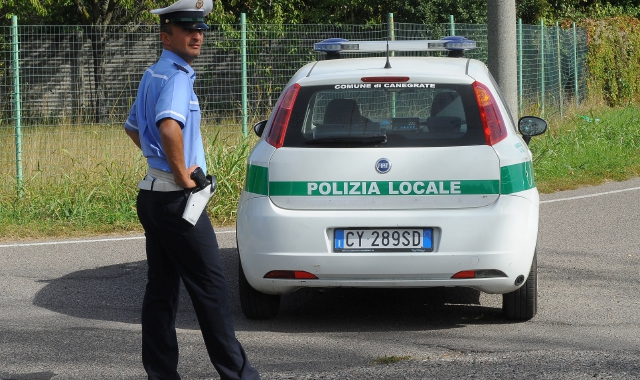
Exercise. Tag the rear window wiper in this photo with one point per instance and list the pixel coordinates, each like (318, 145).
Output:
(362, 140)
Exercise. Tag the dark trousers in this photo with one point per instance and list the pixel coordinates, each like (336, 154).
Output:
(175, 250)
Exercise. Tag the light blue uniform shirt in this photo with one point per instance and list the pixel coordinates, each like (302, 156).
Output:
(166, 91)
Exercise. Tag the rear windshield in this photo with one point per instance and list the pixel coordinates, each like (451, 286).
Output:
(388, 115)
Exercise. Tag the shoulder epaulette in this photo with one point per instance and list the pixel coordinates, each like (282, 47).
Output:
(181, 68)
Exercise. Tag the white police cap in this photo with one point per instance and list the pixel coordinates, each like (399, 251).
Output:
(186, 13)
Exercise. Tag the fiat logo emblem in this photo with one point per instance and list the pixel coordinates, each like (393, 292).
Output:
(383, 166)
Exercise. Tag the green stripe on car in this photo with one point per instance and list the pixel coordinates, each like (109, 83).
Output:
(513, 179)
(516, 178)
(348, 188)
(257, 181)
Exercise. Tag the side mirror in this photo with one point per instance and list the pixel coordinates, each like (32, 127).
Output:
(530, 126)
(258, 127)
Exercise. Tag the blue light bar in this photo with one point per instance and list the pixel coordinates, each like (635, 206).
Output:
(458, 43)
(338, 45)
(334, 45)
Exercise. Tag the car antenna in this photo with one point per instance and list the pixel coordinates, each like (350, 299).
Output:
(388, 64)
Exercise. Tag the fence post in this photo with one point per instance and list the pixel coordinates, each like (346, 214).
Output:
(16, 92)
(391, 35)
(452, 26)
(542, 89)
(575, 65)
(520, 86)
(243, 49)
(559, 70)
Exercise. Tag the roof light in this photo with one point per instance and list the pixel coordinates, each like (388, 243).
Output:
(275, 135)
(492, 121)
(458, 43)
(290, 275)
(338, 45)
(384, 79)
(334, 45)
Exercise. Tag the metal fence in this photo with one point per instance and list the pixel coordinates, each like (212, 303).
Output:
(77, 83)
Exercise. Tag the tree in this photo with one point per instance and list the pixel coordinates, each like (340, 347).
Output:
(345, 12)
(356, 11)
(98, 15)
(38, 12)
(405, 11)
(94, 17)
(269, 11)
(531, 11)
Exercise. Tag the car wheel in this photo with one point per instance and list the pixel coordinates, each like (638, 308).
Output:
(522, 304)
(255, 304)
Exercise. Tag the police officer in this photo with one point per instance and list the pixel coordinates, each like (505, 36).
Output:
(164, 122)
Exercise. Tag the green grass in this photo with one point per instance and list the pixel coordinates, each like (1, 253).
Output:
(81, 181)
(591, 147)
(390, 359)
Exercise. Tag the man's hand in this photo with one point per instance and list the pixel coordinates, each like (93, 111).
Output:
(173, 145)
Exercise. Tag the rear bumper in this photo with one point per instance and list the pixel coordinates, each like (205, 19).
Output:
(499, 237)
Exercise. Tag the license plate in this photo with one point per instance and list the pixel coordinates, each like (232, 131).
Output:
(382, 239)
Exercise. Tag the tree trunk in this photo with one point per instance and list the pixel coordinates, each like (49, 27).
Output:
(98, 35)
(77, 80)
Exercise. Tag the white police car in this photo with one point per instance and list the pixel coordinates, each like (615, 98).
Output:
(390, 172)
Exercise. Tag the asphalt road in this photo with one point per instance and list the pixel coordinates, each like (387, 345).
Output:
(70, 310)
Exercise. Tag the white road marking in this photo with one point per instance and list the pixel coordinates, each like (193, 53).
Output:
(87, 241)
(590, 195)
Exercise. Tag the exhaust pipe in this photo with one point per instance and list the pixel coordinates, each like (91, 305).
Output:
(519, 280)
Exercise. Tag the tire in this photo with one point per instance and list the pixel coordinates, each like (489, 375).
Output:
(522, 304)
(255, 304)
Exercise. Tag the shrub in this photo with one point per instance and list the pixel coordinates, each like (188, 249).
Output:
(613, 50)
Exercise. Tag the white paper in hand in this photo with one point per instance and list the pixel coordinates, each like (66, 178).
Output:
(196, 203)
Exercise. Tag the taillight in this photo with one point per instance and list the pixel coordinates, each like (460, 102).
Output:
(481, 273)
(291, 275)
(492, 121)
(465, 274)
(278, 129)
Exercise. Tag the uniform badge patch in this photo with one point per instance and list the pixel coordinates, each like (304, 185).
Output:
(199, 4)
